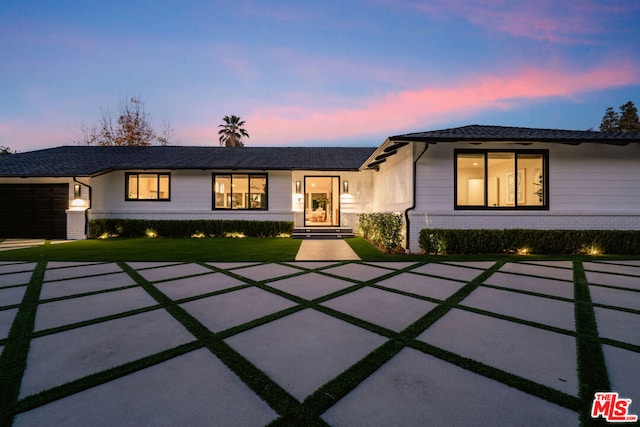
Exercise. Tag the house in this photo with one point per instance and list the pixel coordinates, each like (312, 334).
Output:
(468, 177)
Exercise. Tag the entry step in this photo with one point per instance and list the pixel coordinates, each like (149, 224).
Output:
(322, 233)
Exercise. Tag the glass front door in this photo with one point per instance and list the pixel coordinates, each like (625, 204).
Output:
(321, 201)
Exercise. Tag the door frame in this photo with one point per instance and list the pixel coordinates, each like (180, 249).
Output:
(335, 201)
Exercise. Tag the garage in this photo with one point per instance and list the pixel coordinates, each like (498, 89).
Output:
(34, 210)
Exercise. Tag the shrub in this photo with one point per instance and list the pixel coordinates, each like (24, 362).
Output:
(561, 242)
(382, 229)
(186, 228)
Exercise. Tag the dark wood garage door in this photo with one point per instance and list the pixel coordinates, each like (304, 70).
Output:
(34, 210)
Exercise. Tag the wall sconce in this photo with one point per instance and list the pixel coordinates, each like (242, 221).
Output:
(345, 187)
(298, 187)
(77, 192)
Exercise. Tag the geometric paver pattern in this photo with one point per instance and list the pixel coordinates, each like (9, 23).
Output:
(312, 342)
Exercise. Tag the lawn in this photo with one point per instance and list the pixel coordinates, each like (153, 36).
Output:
(162, 249)
(225, 249)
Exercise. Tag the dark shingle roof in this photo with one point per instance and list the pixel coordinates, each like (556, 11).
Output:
(482, 133)
(91, 160)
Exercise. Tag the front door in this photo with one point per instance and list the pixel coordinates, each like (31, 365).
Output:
(321, 201)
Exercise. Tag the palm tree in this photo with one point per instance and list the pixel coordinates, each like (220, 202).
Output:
(232, 132)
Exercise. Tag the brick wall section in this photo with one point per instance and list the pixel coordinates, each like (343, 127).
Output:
(537, 220)
(75, 224)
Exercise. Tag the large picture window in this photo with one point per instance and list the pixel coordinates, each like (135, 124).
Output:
(240, 191)
(147, 186)
(501, 179)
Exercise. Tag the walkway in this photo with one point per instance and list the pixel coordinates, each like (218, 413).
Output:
(304, 342)
(325, 250)
(11, 244)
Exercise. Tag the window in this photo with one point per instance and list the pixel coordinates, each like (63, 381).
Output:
(147, 186)
(501, 179)
(240, 191)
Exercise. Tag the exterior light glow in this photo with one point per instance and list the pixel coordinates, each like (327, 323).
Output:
(345, 187)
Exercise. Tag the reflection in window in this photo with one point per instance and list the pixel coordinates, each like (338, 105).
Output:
(147, 186)
(240, 191)
(500, 179)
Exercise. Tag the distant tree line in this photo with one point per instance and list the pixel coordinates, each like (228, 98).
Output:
(626, 120)
(132, 126)
(5, 151)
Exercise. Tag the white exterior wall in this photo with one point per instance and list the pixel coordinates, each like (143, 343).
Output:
(191, 198)
(591, 186)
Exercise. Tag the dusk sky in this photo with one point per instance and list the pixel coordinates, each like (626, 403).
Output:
(331, 73)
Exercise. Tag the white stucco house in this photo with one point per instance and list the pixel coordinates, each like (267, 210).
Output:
(468, 177)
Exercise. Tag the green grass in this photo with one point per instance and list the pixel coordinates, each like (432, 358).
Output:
(228, 249)
(162, 249)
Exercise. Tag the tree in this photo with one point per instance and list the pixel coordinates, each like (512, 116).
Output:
(232, 132)
(132, 127)
(610, 121)
(5, 151)
(624, 121)
(629, 121)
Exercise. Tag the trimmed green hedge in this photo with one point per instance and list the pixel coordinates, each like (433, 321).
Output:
(186, 228)
(561, 242)
(382, 229)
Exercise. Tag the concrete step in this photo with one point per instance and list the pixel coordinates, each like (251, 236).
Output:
(321, 233)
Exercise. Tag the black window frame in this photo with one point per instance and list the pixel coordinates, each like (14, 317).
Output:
(516, 152)
(138, 199)
(249, 176)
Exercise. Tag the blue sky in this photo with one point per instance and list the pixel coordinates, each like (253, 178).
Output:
(314, 73)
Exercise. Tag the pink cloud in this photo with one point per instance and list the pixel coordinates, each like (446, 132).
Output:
(549, 20)
(384, 115)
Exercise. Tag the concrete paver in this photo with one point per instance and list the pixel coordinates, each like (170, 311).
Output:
(456, 272)
(304, 350)
(360, 272)
(68, 287)
(623, 373)
(170, 393)
(68, 311)
(383, 308)
(615, 297)
(419, 390)
(79, 270)
(542, 310)
(545, 357)
(172, 272)
(559, 288)
(311, 285)
(12, 295)
(538, 270)
(618, 325)
(426, 286)
(14, 267)
(596, 278)
(197, 285)
(612, 268)
(59, 358)
(266, 271)
(224, 311)
(12, 279)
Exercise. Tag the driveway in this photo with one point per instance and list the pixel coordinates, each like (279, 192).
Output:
(342, 343)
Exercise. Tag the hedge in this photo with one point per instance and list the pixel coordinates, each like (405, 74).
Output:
(561, 242)
(186, 228)
(382, 229)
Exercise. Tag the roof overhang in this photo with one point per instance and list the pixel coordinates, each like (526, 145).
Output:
(387, 149)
